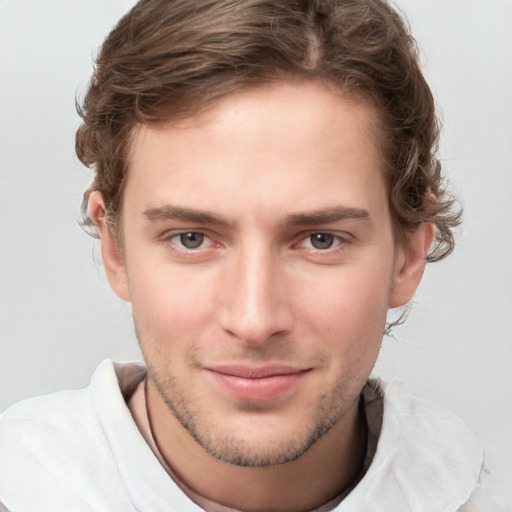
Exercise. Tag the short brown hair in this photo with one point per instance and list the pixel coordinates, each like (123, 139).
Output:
(166, 59)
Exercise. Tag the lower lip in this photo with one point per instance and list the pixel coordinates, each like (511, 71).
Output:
(261, 389)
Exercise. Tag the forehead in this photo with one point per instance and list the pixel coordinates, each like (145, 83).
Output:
(288, 141)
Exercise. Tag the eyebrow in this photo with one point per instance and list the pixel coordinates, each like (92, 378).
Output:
(327, 216)
(169, 212)
(316, 217)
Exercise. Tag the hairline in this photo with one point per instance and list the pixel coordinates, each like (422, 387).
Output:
(201, 108)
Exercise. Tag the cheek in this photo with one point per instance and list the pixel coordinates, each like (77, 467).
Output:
(167, 303)
(350, 309)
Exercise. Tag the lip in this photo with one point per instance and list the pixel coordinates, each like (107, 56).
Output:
(260, 383)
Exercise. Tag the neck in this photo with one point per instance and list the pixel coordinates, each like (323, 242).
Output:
(330, 466)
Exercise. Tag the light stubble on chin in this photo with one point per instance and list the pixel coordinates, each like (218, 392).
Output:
(250, 452)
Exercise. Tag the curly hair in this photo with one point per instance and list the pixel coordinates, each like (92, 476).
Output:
(167, 59)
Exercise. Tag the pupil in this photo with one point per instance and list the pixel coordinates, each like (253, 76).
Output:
(322, 240)
(191, 240)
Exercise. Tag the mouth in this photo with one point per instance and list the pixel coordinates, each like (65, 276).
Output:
(260, 383)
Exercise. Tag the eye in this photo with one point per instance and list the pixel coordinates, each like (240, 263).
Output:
(322, 241)
(190, 240)
(190, 246)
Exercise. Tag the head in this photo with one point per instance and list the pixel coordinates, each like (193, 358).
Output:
(265, 188)
(165, 61)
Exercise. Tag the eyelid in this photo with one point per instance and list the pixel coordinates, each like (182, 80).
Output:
(340, 239)
(170, 236)
(211, 240)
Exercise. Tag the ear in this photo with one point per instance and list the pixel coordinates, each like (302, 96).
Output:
(410, 264)
(110, 251)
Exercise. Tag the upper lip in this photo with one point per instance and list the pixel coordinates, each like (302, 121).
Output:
(256, 372)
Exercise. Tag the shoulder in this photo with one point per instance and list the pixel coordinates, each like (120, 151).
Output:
(56, 441)
(50, 418)
(426, 427)
(71, 410)
(426, 458)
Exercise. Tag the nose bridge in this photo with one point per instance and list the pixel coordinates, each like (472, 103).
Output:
(254, 306)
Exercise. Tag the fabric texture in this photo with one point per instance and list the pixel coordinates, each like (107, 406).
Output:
(81, 451)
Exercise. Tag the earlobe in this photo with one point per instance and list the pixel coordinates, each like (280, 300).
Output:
(410, 265)
(115, 268)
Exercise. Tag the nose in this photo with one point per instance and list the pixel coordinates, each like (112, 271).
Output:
(254, 303)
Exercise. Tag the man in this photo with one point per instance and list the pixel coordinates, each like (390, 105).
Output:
(266, 188)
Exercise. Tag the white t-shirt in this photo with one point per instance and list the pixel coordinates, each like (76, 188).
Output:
(79, 451)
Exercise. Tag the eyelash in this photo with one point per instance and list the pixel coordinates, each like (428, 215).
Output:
(338, 241)
(175, 239)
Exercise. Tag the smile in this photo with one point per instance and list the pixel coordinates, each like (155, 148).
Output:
(256, 384)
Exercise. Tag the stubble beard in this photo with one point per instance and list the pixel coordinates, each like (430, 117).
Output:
(241, 451)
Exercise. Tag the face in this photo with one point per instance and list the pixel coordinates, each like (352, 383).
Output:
(260, 262)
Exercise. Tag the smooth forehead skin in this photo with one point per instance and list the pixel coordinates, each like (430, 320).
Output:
(244, 133)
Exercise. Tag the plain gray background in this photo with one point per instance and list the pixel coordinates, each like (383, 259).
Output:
(58, 318)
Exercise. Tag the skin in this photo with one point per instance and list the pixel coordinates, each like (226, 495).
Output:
(256, 237)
